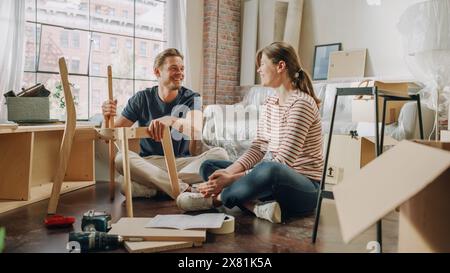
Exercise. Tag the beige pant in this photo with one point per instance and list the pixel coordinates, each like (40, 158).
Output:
(151, 171)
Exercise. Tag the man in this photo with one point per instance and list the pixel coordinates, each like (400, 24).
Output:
(167, 104)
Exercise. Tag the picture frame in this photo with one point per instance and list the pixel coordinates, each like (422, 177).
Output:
(321, 59)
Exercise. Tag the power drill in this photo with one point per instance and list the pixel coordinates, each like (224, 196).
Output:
(94, 237)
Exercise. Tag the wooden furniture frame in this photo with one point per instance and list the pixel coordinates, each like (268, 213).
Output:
(123, 135)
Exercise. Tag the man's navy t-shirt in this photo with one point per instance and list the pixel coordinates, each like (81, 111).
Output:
(146, 105)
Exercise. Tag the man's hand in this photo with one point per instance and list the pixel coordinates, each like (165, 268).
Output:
(217, 181)
(109, 108)
(157, 126)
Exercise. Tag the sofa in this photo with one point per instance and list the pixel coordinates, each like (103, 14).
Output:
(220, 131)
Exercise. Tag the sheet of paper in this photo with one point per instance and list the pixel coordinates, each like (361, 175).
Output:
(182, 221)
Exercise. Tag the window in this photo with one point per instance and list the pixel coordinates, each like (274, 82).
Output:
(96, 42)
(156, 49)
(84, 32)
(143, 49)
(113, 44)
(95, 69)
(64, 39)
(75, 40)
(128, 44)
(75, 66)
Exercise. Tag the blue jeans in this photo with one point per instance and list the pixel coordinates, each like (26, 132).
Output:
(296, 194)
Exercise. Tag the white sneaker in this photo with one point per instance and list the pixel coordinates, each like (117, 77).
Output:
(270, 211)
(138, 190)
(192, 201)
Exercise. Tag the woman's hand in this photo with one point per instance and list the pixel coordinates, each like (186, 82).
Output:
(217, 181)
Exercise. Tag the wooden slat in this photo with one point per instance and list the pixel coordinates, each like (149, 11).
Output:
(110, 124)
(152, 247)
(38, 128)
(66, 145)
(130, 228)
(126, 170)
(169, 157)
(142, 132)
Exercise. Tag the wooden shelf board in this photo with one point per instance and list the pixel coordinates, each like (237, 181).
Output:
(42, 192)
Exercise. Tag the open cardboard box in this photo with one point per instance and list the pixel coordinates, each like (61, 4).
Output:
(363, 109)
(412, 175)
(348, 155)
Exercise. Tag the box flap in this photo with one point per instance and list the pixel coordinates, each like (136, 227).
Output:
(388, 140)
(385, 183)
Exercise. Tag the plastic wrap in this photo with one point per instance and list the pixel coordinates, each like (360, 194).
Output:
(236, 134)
(425, 30)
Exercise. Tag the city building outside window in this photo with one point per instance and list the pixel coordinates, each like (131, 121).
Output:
(64, 39)
(75, 66)
(75, 39)
(143, 49)
(95, 42)
(95, 69)
(113, 43)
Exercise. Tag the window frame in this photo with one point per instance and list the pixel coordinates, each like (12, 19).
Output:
(91, 34)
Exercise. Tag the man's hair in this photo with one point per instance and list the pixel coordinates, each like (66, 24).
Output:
(162, 56)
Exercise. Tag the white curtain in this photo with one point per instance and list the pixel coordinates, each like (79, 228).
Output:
(12, 26)
(176, 32)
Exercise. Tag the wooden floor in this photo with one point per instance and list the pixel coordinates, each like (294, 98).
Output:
(25, 231)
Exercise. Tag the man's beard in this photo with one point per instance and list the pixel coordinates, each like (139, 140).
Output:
(174, 86)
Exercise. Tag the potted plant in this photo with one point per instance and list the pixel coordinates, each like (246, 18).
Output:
(57, 102)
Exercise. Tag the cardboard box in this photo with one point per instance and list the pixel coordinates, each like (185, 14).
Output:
(28, 108)
(412, 175)
(348, 155)
(363, 109)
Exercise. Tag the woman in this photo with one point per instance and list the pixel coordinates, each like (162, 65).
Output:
(289, 131)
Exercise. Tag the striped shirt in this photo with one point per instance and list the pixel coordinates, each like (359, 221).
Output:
(292, 133)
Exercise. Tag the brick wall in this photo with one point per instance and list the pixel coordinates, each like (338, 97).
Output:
(221, 39)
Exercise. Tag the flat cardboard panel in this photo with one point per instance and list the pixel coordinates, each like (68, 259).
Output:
(152, 247)
(386, 183)
(344, 157)
(424, 222)
(347, 64)
(134, 228)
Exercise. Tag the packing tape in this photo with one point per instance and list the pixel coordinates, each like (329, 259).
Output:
(226, 228)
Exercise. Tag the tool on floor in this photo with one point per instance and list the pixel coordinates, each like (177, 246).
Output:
(95, 240)
(95, 224)
(2, 239)
(96, 221)
(59, 221)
